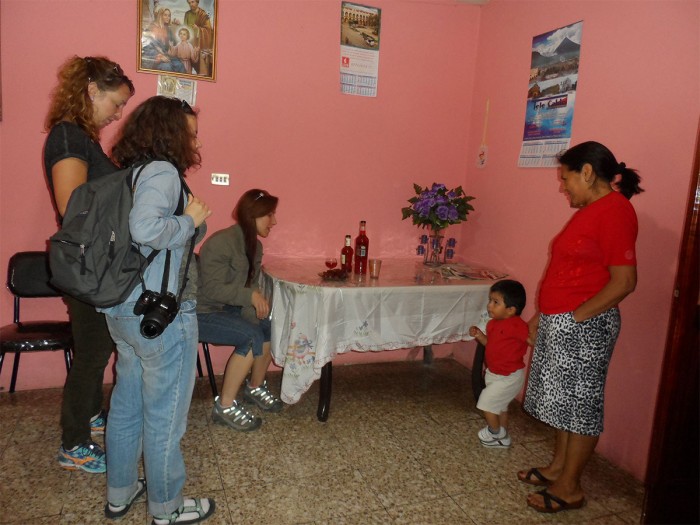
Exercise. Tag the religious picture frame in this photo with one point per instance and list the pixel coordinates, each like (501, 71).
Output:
(177, 38)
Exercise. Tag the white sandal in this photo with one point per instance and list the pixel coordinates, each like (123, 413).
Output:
(193, 510)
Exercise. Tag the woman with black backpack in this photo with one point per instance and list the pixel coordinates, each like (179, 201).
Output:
(91, 93)
(155, 328)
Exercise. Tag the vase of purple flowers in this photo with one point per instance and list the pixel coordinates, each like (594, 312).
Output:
(437, 208)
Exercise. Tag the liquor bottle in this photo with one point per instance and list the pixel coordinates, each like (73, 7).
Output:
(361, 249)
(346, 255)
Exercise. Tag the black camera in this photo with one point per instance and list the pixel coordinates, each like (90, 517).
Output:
(158, 311)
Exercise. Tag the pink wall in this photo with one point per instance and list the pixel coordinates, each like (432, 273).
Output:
(638, 93)
(276, 119)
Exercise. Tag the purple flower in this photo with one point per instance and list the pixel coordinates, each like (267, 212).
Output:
(437, 206)
(422, 208)
(429, 201)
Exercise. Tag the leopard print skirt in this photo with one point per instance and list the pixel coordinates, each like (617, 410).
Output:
(569, 365)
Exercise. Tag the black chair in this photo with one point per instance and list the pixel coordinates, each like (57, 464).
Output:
(205, 349)
(210, 368)
(28, 277)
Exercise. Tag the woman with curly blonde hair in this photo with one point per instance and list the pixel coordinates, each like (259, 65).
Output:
(90, 94)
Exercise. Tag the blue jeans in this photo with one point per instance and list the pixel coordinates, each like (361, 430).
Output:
(150, 402)
(227, 327)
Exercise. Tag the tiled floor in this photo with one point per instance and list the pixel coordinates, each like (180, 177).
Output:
(400, 447)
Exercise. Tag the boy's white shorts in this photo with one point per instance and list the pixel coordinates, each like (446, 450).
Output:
(500, 391)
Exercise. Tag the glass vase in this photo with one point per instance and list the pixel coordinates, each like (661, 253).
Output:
(434, 251)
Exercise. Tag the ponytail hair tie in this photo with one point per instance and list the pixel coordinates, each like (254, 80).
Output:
(621, 166)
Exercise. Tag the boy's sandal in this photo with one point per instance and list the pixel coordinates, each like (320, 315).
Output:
(562, 505)
(187, 514)
(114, 512)
(534, 477)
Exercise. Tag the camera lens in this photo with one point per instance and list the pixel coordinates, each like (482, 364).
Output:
(150, 329)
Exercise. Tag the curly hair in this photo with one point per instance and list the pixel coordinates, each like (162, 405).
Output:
(157, 129)
(70, 99)
(252, 204)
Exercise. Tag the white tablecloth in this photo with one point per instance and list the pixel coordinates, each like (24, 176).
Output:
(409, 305)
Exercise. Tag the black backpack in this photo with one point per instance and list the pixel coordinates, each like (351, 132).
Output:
(92, 256)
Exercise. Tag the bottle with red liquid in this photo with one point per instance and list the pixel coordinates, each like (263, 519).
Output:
(346, 255)
(361, 249)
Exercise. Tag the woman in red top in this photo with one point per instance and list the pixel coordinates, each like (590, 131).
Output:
(592, 268)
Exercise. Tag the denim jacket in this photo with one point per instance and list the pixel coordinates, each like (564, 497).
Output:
(153, 225)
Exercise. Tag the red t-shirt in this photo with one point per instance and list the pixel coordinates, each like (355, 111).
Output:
(600, 235)
(506, 345)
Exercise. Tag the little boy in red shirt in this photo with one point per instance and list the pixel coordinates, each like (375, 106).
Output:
(506, 344)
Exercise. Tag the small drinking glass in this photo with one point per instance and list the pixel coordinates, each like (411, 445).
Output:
(375, 265)
(331, 262)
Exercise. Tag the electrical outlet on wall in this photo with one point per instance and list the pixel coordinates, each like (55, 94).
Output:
(219, 179)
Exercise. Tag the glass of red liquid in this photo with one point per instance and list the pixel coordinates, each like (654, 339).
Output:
(331, 262)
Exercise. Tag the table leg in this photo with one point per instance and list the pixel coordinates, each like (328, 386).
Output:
(428, 355)
(478, 371)
(324, 395)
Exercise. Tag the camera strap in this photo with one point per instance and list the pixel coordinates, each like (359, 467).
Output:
(185, 277)
(166, 270)
(166, 274)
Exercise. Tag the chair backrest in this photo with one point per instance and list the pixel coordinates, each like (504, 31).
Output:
(28, 275)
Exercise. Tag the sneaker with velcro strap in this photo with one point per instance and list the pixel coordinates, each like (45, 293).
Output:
(491, 440)
(262, 397)
(236, 416)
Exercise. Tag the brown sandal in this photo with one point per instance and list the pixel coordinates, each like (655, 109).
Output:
(534, 477)
(563, 505)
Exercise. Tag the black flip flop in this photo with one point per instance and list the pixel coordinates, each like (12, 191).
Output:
(541, 481)
(563, 505)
